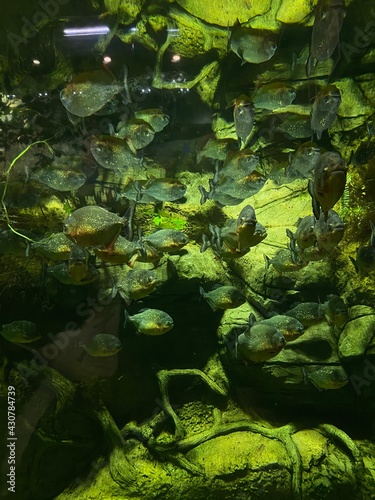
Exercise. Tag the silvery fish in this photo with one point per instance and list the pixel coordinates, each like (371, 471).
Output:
(273, 95)
(324, 109)
(328, 21)
(150, 321)
(252, 45)
(329, 232)
(102, 345)
(88, 92)
(329, 183)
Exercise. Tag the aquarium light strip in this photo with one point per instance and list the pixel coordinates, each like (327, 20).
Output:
(95, 30)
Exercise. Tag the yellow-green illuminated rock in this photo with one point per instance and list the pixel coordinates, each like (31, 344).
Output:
(225, 13)
(295, 11)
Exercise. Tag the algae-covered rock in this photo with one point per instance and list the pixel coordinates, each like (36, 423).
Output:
(292, 11)
(127, 10)
(356, 337)
(225, 13)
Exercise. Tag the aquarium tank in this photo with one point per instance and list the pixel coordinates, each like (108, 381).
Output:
(187, 249)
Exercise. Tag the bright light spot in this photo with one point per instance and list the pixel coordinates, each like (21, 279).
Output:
(176, 58)
(36, 62)
(106, 60)
(95, 30)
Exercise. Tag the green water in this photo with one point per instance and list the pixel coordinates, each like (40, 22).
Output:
(187, 252)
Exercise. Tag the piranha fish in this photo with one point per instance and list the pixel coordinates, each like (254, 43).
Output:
(252, 45)
(226, 190)
(304, 235)
(166, 240)
(329, 232)
(102, 345)
(154, 117)
(288, 259)
(113, 153)
(260, 342)
(326, 377)
(88, 92)
(329, 183)
(138, 132)
(123, 251)
(328, 21)
(78, 263)
(324, 109)
(20, 332)
(307, 313)
(61, 178)
(61, 273)
(136, 284)
(239, 164)
(336, 311)
(150, 321)
(93, 226)
(243, 114)
(304, 160)
(274, 95)
(365, 258)
(294, 125)
(217, 149)
(57, 246)
(223, 297)
(290, 327)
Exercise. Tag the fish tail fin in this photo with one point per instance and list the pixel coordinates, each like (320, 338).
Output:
(267, 261)
(310, 65)
(126, 318)
(353, 261)
(372, 237)
(126, 93)
(315, 203)
(204, 195)
(205, 243)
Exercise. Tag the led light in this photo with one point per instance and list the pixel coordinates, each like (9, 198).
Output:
(88, 31)
(106, 60)
(36, 62)
(175, 58)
